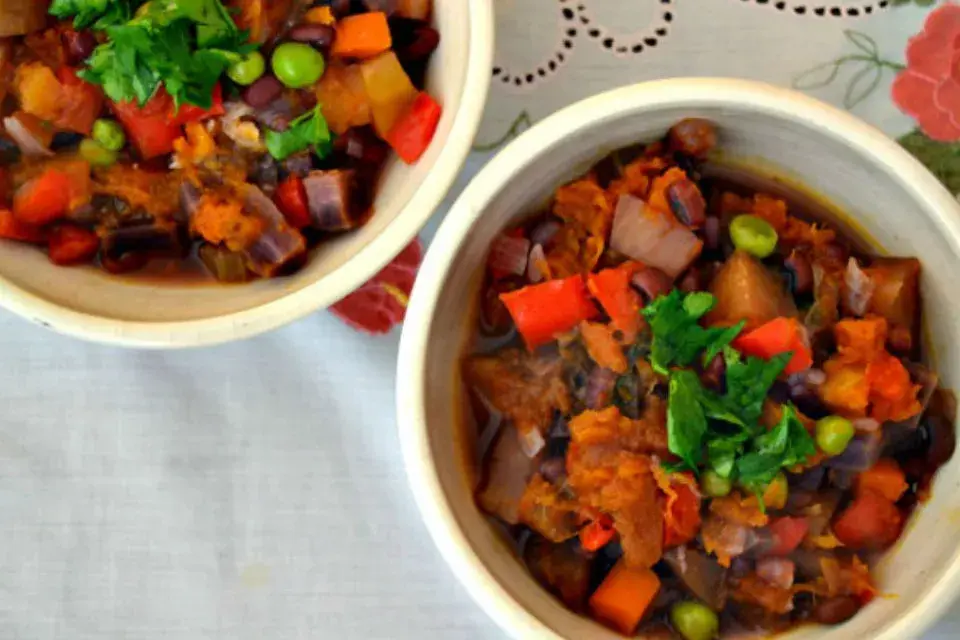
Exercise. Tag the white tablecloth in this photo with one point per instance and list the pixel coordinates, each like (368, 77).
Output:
(255, 490)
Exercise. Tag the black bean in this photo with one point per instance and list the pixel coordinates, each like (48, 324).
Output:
(835, 610)
(79, 46)
(799, 273)
(554, 470)
(318, 35)
(262, 92)
(687, 203)
(693, 137)
(426, 40)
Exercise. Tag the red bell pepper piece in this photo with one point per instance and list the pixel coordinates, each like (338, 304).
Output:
(155, 126)
(544, 310)
(611, 288)
(13, 229)
(411, 135)
(291, 199)
(780, 335)
(69, 244)
(597, 534)
(788, 533)
(43, 199)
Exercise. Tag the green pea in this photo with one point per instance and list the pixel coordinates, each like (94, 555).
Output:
(834, 434)
(297, 65)
(753, 235)
(109, 134)
(96, 154)
(246, 71)
(715, 485)
(694, 621)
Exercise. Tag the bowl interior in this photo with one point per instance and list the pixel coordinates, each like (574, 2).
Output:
(894, 200)
(90, 291)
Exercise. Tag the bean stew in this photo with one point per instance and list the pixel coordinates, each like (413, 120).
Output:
(238, 133)
(706, 410)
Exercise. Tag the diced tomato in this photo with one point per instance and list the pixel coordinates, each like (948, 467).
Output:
(155, 126)
(681, 522)
(13, 229)
(611, 288)
(81, 102)
(780, 335)
(291, 198)
(788, 533)
(871, 521)
(598, 533)
(69, 244)
(193, 113)
(43, 199)
(411, 135)
(885, 478)
(150, 129)
(544, 310)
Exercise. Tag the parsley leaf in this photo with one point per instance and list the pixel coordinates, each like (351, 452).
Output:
(686, 422)
(677, 336)
(749, 381)
(96, 13)
(309, 130)
(786, 445)
(184, 45)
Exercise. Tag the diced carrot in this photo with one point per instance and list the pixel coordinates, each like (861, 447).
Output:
(13, 229)
(780, 335)
(362, 36)
(611, 288)
(69, 244)
(544, 310)
(43, 199)
(624, 596)
(846, 390)
(885, 478)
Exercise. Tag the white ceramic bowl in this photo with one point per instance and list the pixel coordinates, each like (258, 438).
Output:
(88, 303)
(884, 189)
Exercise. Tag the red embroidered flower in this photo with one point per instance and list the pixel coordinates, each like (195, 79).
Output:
(381, 304)
(929, 88)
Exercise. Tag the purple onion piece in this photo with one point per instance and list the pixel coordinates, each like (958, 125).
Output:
(800, 273)
(809, 480)
(700, 574)
(600, 384)
(544, 232)
(861, 454)
(711, 233)
(273, 249)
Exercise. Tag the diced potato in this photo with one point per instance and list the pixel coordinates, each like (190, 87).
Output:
(389, 89)
(39, 91)
(20, 17)
(897, 295)
(746, 290)
(343, 98)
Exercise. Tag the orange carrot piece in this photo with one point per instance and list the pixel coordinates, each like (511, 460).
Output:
(885, 478)
(362, 36)
(624, 596)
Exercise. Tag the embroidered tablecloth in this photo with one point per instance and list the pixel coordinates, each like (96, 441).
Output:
(255, 490)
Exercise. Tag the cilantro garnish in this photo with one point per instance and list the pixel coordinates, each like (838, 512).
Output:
(183, 45)
(677, 336)
(309, 130)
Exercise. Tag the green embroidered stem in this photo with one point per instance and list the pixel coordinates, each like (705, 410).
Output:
(523, 120)
(863, 82)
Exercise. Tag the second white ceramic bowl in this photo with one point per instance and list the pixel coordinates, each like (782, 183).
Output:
(890, 195)
(88, 303)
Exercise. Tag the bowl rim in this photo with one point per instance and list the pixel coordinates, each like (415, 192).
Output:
(590, 113)
(357, 270)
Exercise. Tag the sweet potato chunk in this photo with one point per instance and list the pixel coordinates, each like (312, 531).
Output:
(746, 290)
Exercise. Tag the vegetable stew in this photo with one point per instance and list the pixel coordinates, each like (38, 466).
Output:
(707, 410)
(237, 132)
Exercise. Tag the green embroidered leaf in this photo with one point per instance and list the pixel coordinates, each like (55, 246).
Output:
(942, 158)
